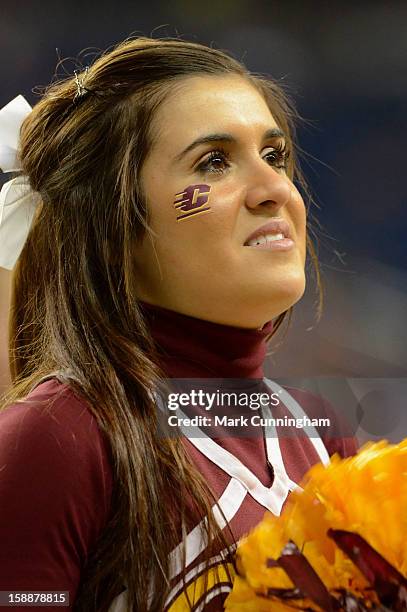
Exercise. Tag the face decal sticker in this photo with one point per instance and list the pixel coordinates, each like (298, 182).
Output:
(192, 201)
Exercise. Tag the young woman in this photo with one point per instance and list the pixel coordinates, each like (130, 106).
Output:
(170, 242)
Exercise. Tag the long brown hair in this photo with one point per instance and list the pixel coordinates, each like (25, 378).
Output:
(75, 306)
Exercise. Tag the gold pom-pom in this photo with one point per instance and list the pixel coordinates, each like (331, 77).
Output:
(339, 542)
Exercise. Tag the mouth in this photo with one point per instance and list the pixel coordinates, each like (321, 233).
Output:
(275, 235)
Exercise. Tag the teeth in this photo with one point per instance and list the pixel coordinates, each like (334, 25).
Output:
(265, 239)
(271, 237)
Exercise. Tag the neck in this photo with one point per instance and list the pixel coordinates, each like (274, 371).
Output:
(194, 348)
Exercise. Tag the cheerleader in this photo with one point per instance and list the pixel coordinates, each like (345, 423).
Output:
(166, 240)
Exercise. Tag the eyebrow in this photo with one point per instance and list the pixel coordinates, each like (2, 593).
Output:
(271, 133)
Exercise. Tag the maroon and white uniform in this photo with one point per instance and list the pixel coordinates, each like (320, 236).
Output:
(56, 471)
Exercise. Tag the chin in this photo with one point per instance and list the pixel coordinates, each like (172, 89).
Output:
(270, 304)
(294, 291)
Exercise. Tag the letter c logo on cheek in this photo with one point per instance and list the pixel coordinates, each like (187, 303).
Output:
(194, 200)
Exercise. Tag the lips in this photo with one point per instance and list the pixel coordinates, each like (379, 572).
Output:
(274, 226)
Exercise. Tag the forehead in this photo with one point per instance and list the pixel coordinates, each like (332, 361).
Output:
(211, 104)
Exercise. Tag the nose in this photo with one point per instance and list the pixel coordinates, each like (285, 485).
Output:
(267, 187)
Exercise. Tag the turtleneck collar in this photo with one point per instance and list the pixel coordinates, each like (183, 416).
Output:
(194, 348)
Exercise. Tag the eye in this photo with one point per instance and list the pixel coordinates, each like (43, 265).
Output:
(216, 162)
(278, 157)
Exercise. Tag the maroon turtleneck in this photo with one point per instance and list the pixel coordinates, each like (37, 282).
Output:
(55, 471)
(192, 348)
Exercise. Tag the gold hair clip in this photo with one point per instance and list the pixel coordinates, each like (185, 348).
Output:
(81, 90)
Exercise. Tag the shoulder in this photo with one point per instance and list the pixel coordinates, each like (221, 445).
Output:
(55, 485)
(52, 421)
(53, 429)
(338, 434)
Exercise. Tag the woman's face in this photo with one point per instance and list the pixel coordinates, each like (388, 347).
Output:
(206, 198)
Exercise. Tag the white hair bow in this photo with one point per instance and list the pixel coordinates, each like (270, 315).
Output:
(18, 202)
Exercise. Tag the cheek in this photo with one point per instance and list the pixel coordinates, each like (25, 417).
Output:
(298, 211)
(177, 209)
(179, 221)
(193, 216)
(192, 201)
(192, 226)
(298, 214)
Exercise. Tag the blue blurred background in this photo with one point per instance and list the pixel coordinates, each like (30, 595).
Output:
(345, 66)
